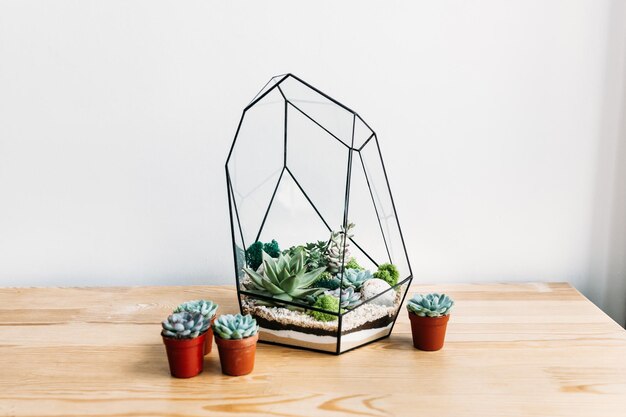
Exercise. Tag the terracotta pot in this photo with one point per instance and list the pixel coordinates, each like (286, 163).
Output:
(185, 356)
(237, 356)
(208, 344)
(428, 332)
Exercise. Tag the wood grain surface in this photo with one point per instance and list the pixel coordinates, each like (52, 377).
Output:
(512, 350)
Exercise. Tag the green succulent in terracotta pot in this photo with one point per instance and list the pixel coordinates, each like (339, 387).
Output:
(207, 309)
(429, 315)
(184, 341)
(236, 337)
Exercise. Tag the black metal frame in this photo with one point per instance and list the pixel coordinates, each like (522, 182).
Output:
(234, 214)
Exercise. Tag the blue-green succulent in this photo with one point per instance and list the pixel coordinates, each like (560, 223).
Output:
(235, 326)
(183, 325)
(206, 308)
(430, 305)
(347, 297)
(355, 278)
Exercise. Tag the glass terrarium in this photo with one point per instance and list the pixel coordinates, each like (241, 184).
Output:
(319, 255)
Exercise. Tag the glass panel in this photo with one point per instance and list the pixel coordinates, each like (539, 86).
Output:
(374, 172)
(361, 133)
(291, 219)
(257, 160)
(332, 117)
(319, 163)
(371, 320)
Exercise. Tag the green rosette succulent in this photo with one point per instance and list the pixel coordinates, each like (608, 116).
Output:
(183, 325)
(347, 297)
(355, 278)
(285, 278)
(235, 326)
(430, 305)
(206, 308)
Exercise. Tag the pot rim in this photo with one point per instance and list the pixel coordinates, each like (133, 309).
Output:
(414, 316)
(186, 341)
(236, 343)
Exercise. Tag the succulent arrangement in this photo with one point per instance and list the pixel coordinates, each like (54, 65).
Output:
(205, 308)
(235, 326)
(322, 274)
(183, 325)
(430, 305)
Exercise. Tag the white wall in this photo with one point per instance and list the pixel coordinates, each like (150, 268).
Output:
(502, 124)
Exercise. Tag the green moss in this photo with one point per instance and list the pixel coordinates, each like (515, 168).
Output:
(353, 264)
(388, 273)
(325, 302)
(272, 249)
(254, 253)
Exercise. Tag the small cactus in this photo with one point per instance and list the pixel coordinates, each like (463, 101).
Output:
(183, 325)
(206, 308)
(430, 305)
(235, 326)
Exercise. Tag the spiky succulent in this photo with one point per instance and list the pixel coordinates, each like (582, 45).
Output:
(183, 325)
(337, 252)
(355, 278)
(285, 278)
(235, 326)
(206, 308)
(347, 297)
(430, 305)
(328, 303)
(388, 273)
(326, 280)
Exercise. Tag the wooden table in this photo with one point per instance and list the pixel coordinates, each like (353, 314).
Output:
(512, 350)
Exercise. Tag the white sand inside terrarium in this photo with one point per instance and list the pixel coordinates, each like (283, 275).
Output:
(363, 314)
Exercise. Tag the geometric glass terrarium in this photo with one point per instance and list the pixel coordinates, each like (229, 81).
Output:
(320, 260)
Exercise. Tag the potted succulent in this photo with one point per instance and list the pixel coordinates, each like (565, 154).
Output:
(184, 342)
(429, 316)
(207, 309)
(236, 337)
